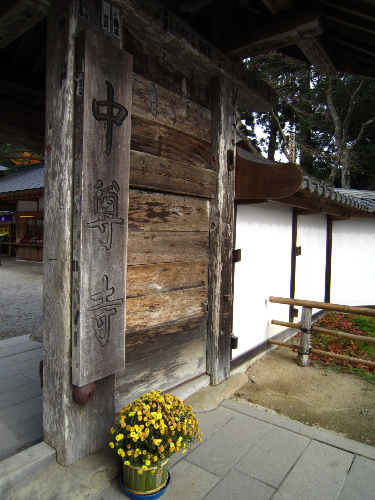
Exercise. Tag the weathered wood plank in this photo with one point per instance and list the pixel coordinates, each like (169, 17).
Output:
(221, 232)
(152, 172)
(169, 246)
(161, 278)
(163, 308)
(143, 344)
(73, 430)
(150, 211)
(167, 69)
(156, 103)
(160, 26)
(166, 142)
(161, 372)
(101, 193)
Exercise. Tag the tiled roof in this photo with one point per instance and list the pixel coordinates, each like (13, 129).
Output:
(359, 199)
(27, 178)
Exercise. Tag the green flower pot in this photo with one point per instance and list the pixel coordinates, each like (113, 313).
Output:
(149, 482)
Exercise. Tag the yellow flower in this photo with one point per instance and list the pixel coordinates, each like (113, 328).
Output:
(113, 430)
(119, 451)
(183, 451)
(126, 462)
(139, 471)
(111, 445)
(144, 467)
(147, 462)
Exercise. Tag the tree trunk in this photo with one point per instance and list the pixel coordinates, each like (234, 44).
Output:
(272, 139)
(345, 176)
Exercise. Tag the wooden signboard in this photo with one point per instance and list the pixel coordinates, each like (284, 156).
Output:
(101, 193)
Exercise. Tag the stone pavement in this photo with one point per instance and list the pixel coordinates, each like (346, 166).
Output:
(21, 400)
(247, 453)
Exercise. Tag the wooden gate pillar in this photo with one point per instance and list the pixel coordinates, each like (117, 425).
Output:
(223, 115)
(74, 430)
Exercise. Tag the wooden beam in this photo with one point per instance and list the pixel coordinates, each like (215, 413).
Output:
(165, 29)
(20, 16)
(314, 47)
(305, 211)
(281, 31)
(313, 203)
(318, 53)
(221, 232)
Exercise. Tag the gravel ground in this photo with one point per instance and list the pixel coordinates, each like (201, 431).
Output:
(21, 297)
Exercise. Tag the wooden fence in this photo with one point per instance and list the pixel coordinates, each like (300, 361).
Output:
(306, 328)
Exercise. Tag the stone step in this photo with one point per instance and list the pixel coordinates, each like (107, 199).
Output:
(18, 470)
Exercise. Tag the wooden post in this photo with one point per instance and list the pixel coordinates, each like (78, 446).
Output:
(327, 293)
(304, 342)
(221, 231)
(74, 430)
(293, 263)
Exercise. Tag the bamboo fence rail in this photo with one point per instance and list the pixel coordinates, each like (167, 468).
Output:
(335, 333)
(306, 328)
(325, 353)
(363, 311)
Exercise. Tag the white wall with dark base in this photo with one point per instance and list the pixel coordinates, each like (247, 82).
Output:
(264, 235)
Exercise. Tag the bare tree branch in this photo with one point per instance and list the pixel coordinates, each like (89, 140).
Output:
(361, 134)
(283, 144)
(247, 141)
(350, 110)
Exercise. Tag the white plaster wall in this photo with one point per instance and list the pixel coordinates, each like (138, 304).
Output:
(353, 262)
(264, 235)
(311, 264)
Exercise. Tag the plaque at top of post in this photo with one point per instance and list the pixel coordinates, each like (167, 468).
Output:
(101, 197)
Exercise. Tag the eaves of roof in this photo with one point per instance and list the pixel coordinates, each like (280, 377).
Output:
(357, 199)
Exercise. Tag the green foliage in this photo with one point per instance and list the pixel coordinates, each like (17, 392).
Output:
(302, 107)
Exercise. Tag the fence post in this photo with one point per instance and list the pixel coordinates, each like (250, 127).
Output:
(304, 342)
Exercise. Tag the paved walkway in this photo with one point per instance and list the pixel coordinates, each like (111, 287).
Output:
(247, 453)
(21, 418)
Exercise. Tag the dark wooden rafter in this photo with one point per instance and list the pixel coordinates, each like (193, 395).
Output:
(166, 30)
(19, 16)
(314, 46)
(280, 31)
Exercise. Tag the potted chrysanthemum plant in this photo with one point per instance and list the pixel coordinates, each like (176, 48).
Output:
(145, 435)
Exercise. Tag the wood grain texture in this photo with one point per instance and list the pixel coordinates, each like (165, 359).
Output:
(142, 344)
(167, 68)
(166, 142)
(156, 103)
(221, 233)
(161, 372)
(161, 278)
(161, 174)
(153, 310)
(150, 211)
(74, 431)
(167, 246)
(101, 193)
(161, 26)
